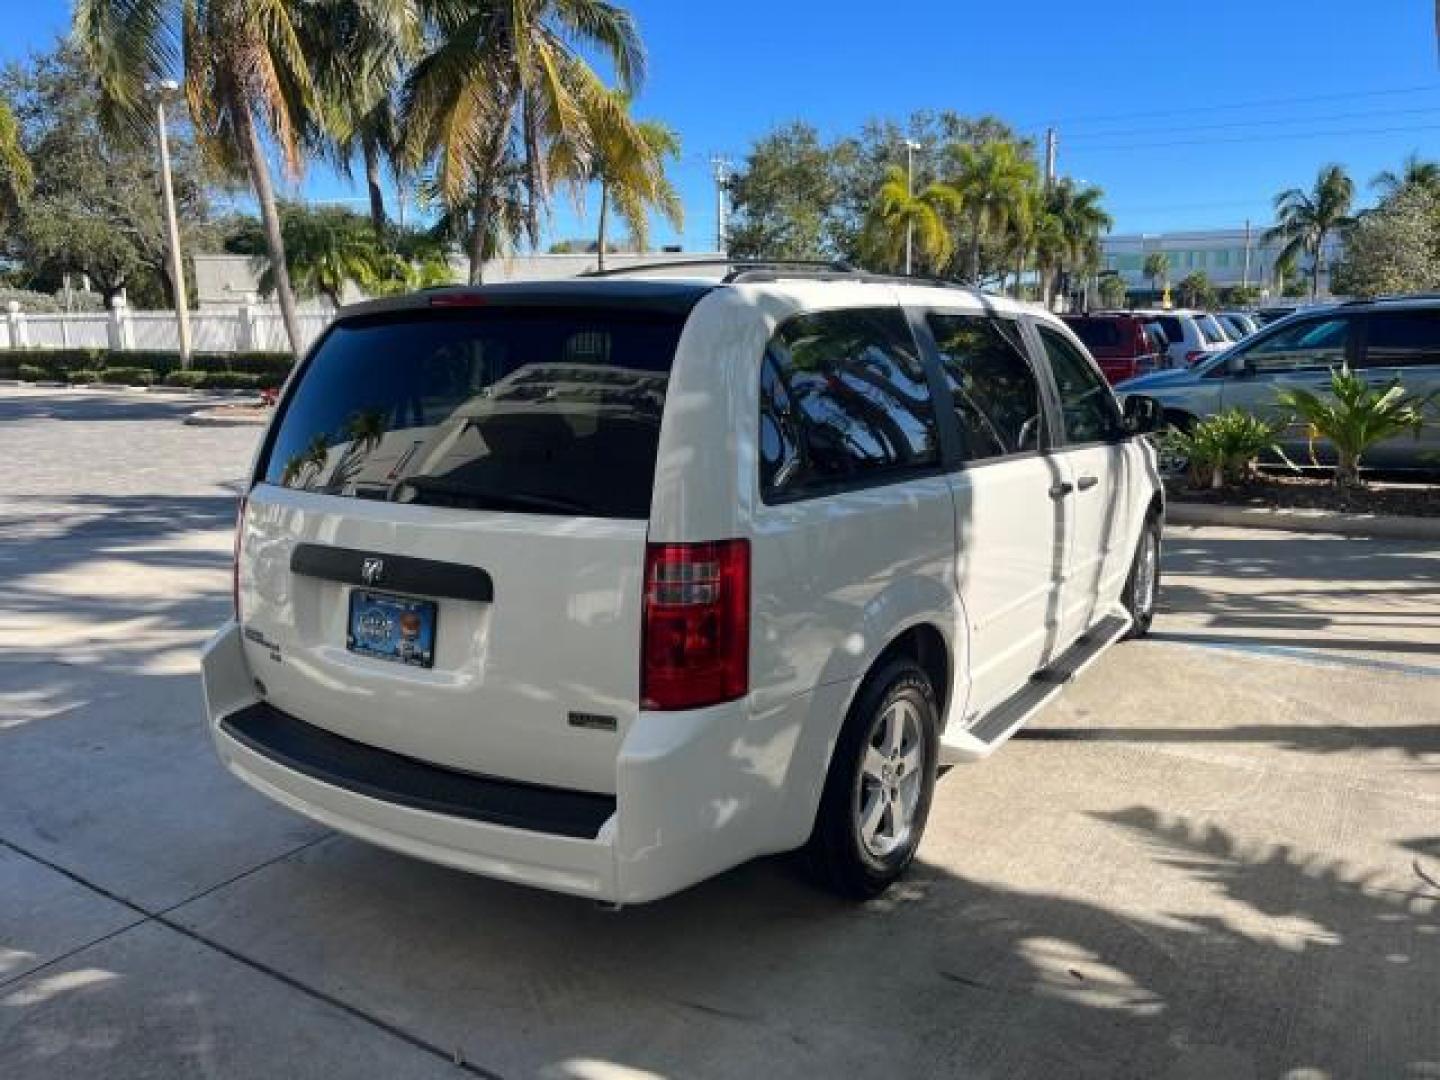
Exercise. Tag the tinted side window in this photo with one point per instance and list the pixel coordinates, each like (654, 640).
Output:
(843, 401)
(1086, 402)
(1403, 339)
(1171, 327)
(1309, 343)
(996, 395)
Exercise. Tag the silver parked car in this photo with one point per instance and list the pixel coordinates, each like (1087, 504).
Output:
(1383, 340)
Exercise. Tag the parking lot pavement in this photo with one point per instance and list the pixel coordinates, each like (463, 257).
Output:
(1216, 855)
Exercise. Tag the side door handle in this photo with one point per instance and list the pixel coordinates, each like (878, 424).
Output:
(1061, 489)
(1085, 483)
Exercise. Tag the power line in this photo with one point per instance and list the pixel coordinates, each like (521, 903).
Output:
(1081, 145)
(1228, 125)
(1253, 104)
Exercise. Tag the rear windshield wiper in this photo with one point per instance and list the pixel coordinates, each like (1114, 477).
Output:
(450, 493)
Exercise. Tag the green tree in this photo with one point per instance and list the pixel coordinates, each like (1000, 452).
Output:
(17, 178)
(1416, 172)
(1195, 291)
(1394, 248)
(326, 248)
(360, 51)
(992, 179)
(631, 172)
(247, 80)
(507, 87)
(1079, 220)
(787, 197)
(924, 215)
(1157, 269)
(1305, 220)
(94, 205)
(1113, 291)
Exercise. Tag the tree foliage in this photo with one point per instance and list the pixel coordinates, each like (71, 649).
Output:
(1305, 220)
(1394, 248)
(1196, 291)
(93, 205)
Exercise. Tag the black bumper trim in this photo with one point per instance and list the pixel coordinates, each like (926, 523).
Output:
(406, 781)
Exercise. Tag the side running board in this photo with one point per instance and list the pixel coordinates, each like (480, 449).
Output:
(987, 734)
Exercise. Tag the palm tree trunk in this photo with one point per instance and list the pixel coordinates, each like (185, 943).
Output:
(600, 233)
(1315, 269)
(270, 220)
(371, 152)
(485, 187)
(975, 249)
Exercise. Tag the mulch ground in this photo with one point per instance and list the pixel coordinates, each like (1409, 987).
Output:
(1307, 493)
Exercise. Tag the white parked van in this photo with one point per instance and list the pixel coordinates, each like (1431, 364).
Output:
(607, 585)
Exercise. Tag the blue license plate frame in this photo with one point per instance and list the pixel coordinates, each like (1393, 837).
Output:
(386, 626)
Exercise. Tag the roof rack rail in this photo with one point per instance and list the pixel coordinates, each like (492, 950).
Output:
(834, 266)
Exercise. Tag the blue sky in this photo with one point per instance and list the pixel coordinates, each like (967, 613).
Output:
(1189, 116)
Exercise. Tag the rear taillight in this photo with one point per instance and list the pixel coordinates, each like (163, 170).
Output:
(235, 566)
(695, 648)
(1194, 356)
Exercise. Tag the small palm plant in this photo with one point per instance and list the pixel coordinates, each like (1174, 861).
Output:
(1223, 448)
(1355, 416)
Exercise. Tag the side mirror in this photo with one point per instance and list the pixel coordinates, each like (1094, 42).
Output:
(1143, 414)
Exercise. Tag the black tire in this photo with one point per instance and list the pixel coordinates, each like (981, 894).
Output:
(1142, 609)
(838, 856)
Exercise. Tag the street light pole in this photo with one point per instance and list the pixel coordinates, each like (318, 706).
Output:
(910, 147)
(177, 261)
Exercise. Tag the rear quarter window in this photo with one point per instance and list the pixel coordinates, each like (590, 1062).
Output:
(1100, 333)
(531, 410)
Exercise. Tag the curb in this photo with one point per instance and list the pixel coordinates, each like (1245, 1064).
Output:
(1306, 521)
(205, 419)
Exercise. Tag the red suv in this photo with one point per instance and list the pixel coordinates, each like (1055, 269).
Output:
(1123, 344)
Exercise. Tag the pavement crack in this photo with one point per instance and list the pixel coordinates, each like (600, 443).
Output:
(451, 1057)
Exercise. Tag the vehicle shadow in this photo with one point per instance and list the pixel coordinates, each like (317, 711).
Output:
(1245, 968)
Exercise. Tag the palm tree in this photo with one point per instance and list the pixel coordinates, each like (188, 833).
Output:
(509, 82)
(1079, 221)
(247, 79)
(325, 250)
(1304, 220)
(1157, 269)
(16, 175)
(991, 179)
(361, 51)
(897, 211)
(630, 171)
(1415, 173)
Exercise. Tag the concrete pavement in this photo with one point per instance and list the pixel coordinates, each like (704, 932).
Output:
(1217, 855)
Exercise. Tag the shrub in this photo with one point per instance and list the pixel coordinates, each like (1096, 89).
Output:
(1224, 447)
(131, 376)
(1356, 416)
(190, 378)
(80, 376)
(230, 380)
(254, 363)
(34, 373)
(154, 360)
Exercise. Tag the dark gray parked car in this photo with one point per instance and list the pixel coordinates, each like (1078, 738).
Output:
(1381, 339)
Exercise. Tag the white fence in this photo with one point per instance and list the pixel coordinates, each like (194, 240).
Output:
(249, 327)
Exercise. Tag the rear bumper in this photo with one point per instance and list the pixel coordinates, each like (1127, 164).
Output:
(696, 793)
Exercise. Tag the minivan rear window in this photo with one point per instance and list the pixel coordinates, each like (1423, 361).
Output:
(1097, 333)
(531, 410)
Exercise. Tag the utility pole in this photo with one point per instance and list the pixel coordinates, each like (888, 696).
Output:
(720, 167)
(1050, 145)
(1245, 278)
(910, 147)
(177, 260)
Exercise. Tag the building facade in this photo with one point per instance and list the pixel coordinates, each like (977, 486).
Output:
(1228, 257)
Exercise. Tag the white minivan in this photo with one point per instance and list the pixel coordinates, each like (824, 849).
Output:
(607, 585)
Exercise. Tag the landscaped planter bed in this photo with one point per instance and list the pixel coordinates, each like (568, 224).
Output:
(1314, 493)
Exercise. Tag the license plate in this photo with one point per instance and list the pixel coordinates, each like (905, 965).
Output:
(394, 628)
